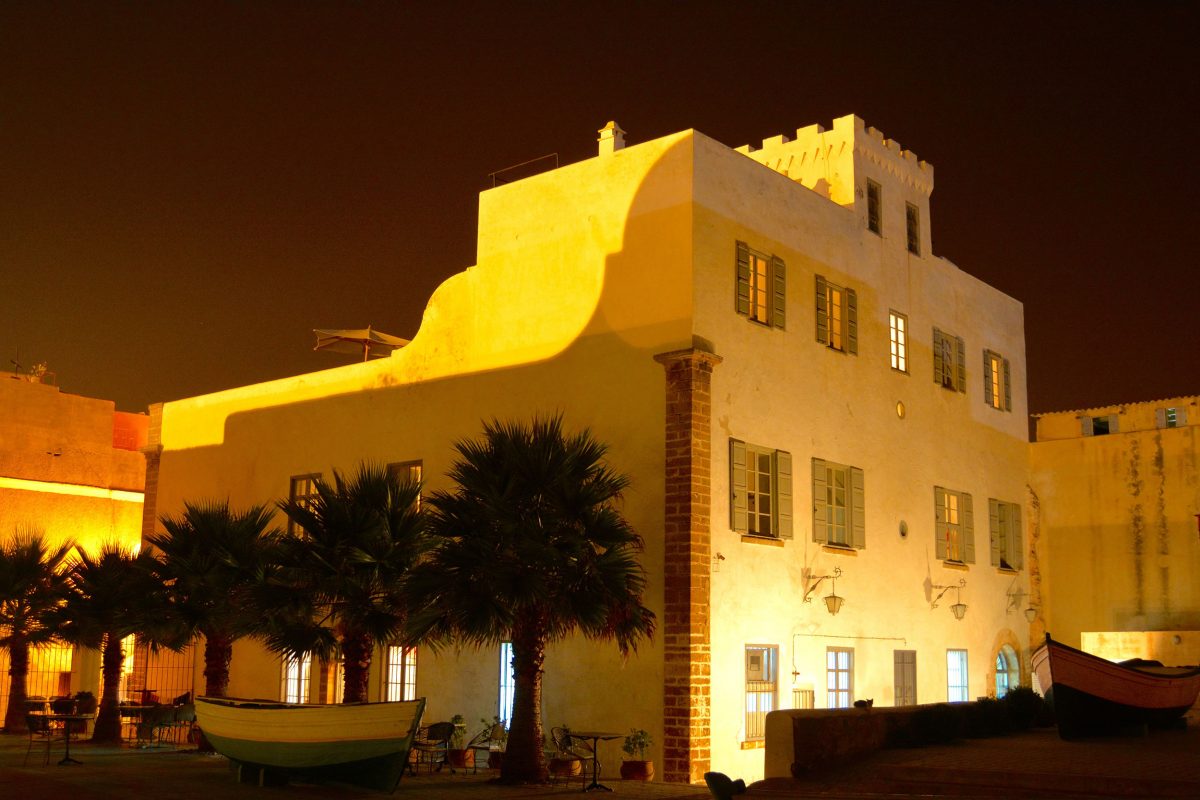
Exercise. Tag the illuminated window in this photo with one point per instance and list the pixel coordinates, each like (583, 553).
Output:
(905, 668)
(1004, 523)
(303, 493)
(839, 517)
(761, 286)
(913, 218)
(997, 381)
(874, 203)
(400, 673)
(1008, 670)
(898, 333)
(955, 526)
(949, 361)
(839, 677)
(408, 471)
(1175, 417)
(295, 678)
(504, 704)
(1099, 426)
(956, 676)
(761, 688)
(760, 485)
(837, 316)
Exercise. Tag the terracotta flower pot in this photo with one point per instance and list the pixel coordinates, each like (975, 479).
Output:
(461, 759)
(637, 770)
(565, 767)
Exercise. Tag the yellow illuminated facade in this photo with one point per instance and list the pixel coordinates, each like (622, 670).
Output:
(757, 347)
(70, 467)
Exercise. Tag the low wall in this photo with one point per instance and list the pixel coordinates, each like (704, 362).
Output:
(799, 741)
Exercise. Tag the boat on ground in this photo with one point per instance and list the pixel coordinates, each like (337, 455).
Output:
(366, 744)
(1092, 695)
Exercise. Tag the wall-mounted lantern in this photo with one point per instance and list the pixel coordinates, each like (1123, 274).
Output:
(959, 609)
(833, 601)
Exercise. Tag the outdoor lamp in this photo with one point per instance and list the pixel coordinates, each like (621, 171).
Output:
(1031, 614)
(833, 601)
(959, 609)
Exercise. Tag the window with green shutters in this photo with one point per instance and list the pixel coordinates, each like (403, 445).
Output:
(1004, 523)
(761, 287)
(1099, 426)
(949, 361)
(913, 221)
(839, 516)
(955, 526)
(1172, 417)
(760, 490)
(997, 381)
(837, 316)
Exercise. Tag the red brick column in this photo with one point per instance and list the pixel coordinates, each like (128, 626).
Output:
(153, 453)
(687, 657)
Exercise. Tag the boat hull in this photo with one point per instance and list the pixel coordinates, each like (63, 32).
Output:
(365, 744)
(1092, 695)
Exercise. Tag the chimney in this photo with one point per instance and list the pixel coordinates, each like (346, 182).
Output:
(612, 138)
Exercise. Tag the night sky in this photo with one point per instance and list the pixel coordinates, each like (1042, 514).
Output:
(187, 189)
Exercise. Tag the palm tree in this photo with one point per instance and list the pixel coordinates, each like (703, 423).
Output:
(338, 587)
(31, 586)
(211, 557)
(531, 550)
(109, 596)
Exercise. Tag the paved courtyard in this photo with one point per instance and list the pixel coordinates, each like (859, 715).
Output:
(1031, 765)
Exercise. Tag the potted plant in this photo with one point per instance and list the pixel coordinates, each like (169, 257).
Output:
(637, 767)
(458, 755)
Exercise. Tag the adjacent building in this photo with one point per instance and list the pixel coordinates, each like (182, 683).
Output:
(825, 425)
(70, 467)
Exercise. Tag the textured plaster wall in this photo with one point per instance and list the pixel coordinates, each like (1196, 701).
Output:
(1119, 549)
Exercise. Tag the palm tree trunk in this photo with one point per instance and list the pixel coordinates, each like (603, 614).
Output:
(524, 758)
(108, 721)
(218, 653)
(18, 668)
(356, 666)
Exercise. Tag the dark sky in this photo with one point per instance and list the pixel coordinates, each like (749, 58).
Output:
(187, 189)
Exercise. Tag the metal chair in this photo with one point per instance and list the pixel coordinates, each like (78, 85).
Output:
(431, 748)
(570, 748)
(40, 730)
(489, 740)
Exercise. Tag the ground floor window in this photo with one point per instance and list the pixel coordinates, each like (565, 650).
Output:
(761, 687)
(1008, 670)
(400, 673)
(295, 677)
(956, 676)
(504, 704)
(839, 677)
(49, 673)
(906, 677)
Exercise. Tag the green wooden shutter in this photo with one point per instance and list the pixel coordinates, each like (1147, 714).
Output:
(939, 363)
(1180, 416)
(822, 312)
(987, 378)
(1017, 545)
(783, 493)
(779, 279)
(968, 528)
(852, 321)
(1112, 423)
(1007, 386)
(1160, 417)
(737, 486)
(742, 296)
(858, 515)
(939, 527)
(961, 358)
(994, 530)
(819, 496)
(1085, 425)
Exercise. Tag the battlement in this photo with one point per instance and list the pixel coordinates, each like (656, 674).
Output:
(823, 160)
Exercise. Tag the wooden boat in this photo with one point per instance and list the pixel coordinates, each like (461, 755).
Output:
(361, 743)
(1094, 695)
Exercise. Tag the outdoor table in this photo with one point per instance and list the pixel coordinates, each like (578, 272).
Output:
(66, 720)
(131, 715)
(596, 737)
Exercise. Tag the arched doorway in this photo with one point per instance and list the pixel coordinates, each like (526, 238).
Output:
(1008, 670)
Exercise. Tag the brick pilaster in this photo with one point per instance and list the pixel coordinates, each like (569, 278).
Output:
(153, 453)
(687, 657)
